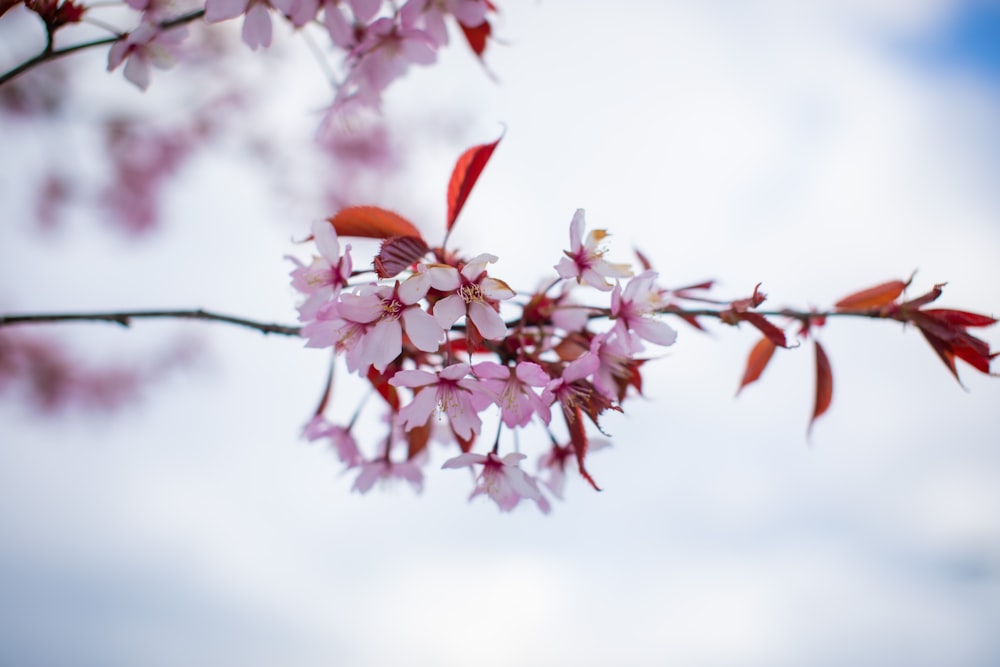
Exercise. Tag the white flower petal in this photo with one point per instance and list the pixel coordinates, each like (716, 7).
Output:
(487, 320)
(448, 310)
(422, 329)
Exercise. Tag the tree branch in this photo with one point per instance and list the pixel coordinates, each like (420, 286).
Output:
(125, 319)
(51, 54)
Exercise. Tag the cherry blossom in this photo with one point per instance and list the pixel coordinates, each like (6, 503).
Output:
(568, 388)
(430, 16)
(585, 259)
(617, 366)
(473, 294)
(328, 273)
(372, 319)
(341, 440)
(511, 389)
(257, 18)
(146, 45)
(631, 310)
(384, 469)
(383, 55)
(501, 479)
(451, 391)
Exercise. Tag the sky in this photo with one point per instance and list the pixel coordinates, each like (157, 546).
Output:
(817, 148)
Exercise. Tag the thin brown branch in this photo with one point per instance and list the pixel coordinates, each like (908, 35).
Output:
(49, 53)
(125, 319)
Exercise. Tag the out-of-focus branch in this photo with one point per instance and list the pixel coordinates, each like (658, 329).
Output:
(125, 319)
(50, 53)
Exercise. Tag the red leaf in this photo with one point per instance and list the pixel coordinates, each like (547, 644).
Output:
(757, 361)
(380, 381)
(873, 297)
(398, 253)
(464, 176)
(372, 222)
(578, 436)
(477, 36)
(417, 439)
(959, 318)
(924, 299)
(824, 385)
(776, 335)
(944, 352)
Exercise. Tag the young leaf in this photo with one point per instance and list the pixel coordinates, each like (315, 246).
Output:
(477, 36)
(757, 361)
(824, 385)
(776, 335)
(959, 318)
(380, 381)
(372, 222)
(873, 297)
(464, 176)
(398, 253)
(578, 436)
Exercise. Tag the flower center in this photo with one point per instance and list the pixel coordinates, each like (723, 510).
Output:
(471, 292)
(391, 308)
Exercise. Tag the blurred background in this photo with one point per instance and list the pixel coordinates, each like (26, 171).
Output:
(163, 509)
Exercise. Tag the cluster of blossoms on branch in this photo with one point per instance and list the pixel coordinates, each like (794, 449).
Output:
(374, 42)
(425, 327)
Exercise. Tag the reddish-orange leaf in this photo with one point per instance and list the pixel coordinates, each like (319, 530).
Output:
(959, 318)
(372, 222)
(776, 335)
(824, 385)
(873, 297)
(757, 361)
(465, 444)
(578, 436)
(944, 352)
(398, 253)
(467, 170)
(417, 439)
(924, 299)
(380, 381)
(477, 36)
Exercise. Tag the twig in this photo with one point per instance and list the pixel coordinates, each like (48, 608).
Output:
(49, 53)
(125, 319)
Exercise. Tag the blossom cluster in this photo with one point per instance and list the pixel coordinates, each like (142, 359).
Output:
(376, 41)
(434, 340)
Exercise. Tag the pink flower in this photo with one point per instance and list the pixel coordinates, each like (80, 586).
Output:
(510, 387)
(569, 388)
(257, 19)
(324, 278)
(430, 16)
(631, 311)
(585, 260)
(340, 439)
(449, 390)
(615, 371)
(340, 27)
(501, 479)
(384, 469)
(146, 45)
(370, 322)
(474, 294)
(384, 54)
